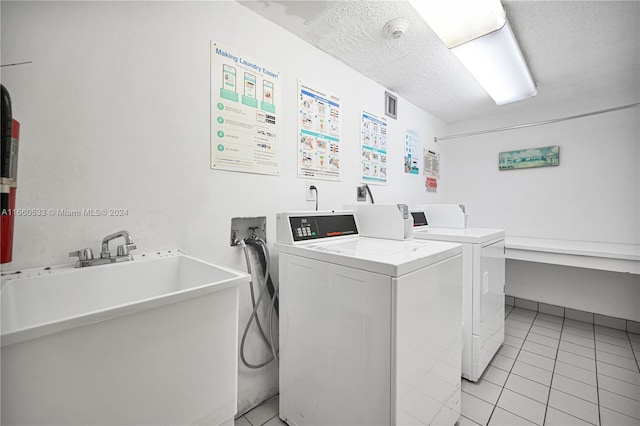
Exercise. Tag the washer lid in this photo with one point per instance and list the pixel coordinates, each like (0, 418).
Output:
(458, 235)
(388, 257)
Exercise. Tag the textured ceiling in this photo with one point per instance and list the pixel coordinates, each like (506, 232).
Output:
(579, 52)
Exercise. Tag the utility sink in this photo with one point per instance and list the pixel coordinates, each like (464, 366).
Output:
(149, 341)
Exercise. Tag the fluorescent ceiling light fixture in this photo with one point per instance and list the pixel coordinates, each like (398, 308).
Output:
(496, 62)
(460, 21)
(478, 33)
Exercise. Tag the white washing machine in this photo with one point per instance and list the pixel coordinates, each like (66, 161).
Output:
(370, 329)
(482, 292)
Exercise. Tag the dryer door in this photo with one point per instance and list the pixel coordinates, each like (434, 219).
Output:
(491, 277)
(493, 280)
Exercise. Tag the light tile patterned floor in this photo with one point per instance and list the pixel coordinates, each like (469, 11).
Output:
(557, 371)
(550, 371)
(265, 414)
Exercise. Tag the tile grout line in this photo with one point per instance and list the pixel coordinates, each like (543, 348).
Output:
(271, 418)
(514, 363)
(595, 354)
(562, 375)
(597, 382)
(553, 372)
(633, 351)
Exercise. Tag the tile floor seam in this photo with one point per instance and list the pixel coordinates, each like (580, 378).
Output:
(611, 340)
(542, 325)
(614, 377)
(615, 410)
(505, 382)
(611, 353)
(510, 412)
(471, 420)
(576, 396)
(633, 351)
(620, 366)
(578, 344)
(581, 356)
(615, 392)
(546, 408)
(595, 349)
(525, 396)
(571, 415)
(509, 372)
(271, 418)
(533, 365)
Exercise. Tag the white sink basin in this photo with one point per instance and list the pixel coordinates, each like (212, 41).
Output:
(150, 341)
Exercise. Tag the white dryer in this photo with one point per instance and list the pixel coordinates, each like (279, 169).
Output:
(482, 293)
(370, 329)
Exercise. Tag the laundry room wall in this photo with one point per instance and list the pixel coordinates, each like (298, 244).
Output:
(593, 195)
(114, 102)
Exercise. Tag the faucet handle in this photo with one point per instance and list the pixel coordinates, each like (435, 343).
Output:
(82, 254)
(124, 249)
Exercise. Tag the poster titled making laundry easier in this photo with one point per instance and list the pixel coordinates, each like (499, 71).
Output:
(245, 113)
(318, 134)
(373, 142)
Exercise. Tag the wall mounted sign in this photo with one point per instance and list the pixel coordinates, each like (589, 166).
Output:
(431, 163)
(411, 151)
(318, 134)
(431, 184)
(431, 170)
(245, 113)
(373, 143)
(531, 157)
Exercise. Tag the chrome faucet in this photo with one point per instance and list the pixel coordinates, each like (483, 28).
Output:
(85, 256)
(123, 250)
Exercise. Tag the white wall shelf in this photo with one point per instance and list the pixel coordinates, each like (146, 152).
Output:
(579, 254)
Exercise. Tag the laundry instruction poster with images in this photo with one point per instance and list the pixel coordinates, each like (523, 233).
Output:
(245, 113)
(373, 142)
(411, 152)
(318, 133)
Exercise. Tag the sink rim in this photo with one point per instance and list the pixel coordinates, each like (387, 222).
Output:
(17, 335)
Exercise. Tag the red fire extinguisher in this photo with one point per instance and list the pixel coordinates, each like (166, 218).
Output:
(8, 176)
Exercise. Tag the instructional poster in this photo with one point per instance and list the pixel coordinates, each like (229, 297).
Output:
(411, 151)
(318, 134)
(373, 142)
(245, 113)
(431, 170)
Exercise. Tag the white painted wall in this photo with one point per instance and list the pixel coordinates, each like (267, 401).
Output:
(614, 294)
(593, 195)
(115, 114)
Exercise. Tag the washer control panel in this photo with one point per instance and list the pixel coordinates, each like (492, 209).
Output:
(323, 226)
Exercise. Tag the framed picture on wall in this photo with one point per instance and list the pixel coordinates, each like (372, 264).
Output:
(530, 157)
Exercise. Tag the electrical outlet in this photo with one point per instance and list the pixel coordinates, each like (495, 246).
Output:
(361, 194)
(311, 194)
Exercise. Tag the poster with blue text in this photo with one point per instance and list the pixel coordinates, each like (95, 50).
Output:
(373, 142)
(318, 134)
(245, 113)
(411, 152)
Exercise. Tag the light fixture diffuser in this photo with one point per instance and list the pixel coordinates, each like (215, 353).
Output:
(460, 21)
(478, 33)
(496, 62)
